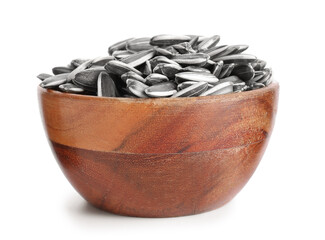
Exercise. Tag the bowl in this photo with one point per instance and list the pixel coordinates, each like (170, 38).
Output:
(161, 157)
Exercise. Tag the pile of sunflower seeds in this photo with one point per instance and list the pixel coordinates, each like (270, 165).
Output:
(163, 66)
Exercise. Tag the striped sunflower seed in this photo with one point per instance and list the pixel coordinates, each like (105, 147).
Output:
(199, 59)
(233, 79)
(139, 58)
(77, 62)
(169, 70)
(80, 68)
(136, 88)
(101, 61)
(167, 40)
(209, 43)
(236, 58)
(139, 44)
(222, 88)
(267, 75)
(192, 91)
(244, 71)
(147, 70)
(55, 80)
(70, 88)
(257, 85)
(160, 59)
(226, 70)
(259, 65)
(164, 89)
(241, 48)
(60, 70)
(106, 86)
(217, 69)
(88, 78)
(132, 75)
(215, 51)
(119, 68)
(120, 54)
(184, 85)
(230, 50)
(118, 46)
(195, 69)
(155, 78)
(184, 48)
(43, 76)
(194, 41)
(164, 52)
(196, 77)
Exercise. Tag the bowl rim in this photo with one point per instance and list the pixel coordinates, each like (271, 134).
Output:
(223, 97)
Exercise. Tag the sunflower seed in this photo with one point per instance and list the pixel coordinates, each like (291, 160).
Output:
(167, 40)
(80, 68)
(244, 71)
(217, 69)
(194, 40)
(139, 58)
(60, 70)
(241, 48)
(193, 90)
(267, 75)
(106, 86)
(120, 54)
(70, 88)
(210, 65)
(43, 76)
(147, 70)
(191, 59)
(258, 85)
(226, 70)
(233, 79)
(196, 77)
(222, 88)
(184, 48)
(184, 85)
(259, 65)
(155, 78)
(258, 76)
(77, 62)
(236, 58)
(88, 78)
(160, 59)
(136, 88)
(164, 52)
(169, 70)
(101, 61)
(55, 80)
(164, 89)
(208, 43)
(195, 69)
(119, 68)
(118, 46)
(139, 44)
(215, 51)
(230, 50)
(132, 75)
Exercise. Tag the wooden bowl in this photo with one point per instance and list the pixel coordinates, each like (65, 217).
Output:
(159, 157)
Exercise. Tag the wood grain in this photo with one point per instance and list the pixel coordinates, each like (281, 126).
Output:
(159, 157)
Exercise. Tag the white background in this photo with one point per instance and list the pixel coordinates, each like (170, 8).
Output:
(284, 199)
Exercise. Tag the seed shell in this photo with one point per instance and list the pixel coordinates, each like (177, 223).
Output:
(164, 89)
(70, 88)
(55, 81)
(167, 40)
(119, 68)
(193, 90)
(222, 88)
(196, 77)
(106, 86)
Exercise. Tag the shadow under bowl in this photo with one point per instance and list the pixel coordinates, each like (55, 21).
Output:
(161, 157)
